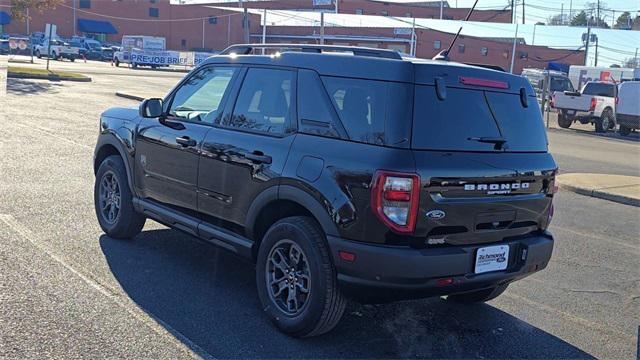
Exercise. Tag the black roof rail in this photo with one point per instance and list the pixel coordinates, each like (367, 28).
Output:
(245, 49)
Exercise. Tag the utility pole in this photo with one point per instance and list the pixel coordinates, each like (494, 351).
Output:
(523, 12)
(513, 51)
(337, 1)
(203, 34)
(74, 18)
(413, 38)
(586, 44)
(28, 32)
(598, 14)
(513, 12)
(441, 8)
(596, 60)
(245, 25)
(322, 28)
(264, 28)
(562, 14)
(570, 11)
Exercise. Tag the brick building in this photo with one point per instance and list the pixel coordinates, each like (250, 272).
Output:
(195, 27)
(418, 9)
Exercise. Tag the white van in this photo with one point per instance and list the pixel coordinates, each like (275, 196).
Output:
(628, 108)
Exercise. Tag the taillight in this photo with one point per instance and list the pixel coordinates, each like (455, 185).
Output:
(394, 200)
(552, 103)
(617, 100)
(594, 102)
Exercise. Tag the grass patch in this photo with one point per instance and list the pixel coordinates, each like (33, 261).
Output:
(35, 73)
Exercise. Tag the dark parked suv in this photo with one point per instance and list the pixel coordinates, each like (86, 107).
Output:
(342, 173)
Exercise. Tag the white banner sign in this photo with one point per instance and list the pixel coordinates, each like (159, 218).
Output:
(165, 58)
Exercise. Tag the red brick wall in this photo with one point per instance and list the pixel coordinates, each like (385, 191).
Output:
(498, 53)
(378, 8)
(216, 36)
(119, 11)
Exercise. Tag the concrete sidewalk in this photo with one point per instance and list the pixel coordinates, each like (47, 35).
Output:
(618, 188)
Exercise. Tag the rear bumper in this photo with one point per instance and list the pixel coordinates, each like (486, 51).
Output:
(382, 273)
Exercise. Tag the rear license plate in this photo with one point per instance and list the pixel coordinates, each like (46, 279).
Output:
(492, 258)
(571, 112)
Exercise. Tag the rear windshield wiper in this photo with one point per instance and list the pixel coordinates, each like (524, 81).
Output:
(497, 141)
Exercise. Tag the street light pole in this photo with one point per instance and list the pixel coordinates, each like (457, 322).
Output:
(441, 8)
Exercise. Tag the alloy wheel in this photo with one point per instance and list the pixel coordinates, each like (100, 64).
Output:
(288, 278)
(109, 197)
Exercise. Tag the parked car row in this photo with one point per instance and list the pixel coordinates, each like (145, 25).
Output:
(605, 104)
(74, 48)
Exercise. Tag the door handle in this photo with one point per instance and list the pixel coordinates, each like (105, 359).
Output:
(185, 141)
(259, 157)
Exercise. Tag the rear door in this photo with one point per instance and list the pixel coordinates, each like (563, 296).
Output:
(482, 158)
(168, 149)
(246, 152)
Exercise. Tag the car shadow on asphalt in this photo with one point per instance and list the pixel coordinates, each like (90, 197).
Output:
(208, 295)
(30, 87)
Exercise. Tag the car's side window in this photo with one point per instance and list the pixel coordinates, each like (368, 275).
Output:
(316, 115)
(200, 97)
(264, 101)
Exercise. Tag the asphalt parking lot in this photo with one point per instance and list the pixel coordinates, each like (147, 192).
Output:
(67, 290)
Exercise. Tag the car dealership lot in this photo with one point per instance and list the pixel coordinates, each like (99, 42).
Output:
(69, 290)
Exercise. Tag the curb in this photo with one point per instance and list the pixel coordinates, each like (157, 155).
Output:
(47, 77)
(602, 194)
(129, 96)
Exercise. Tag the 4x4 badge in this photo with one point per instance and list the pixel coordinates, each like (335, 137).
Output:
(436, 214)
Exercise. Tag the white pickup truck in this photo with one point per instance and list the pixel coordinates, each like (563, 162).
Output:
(595, 104)
(58, 50)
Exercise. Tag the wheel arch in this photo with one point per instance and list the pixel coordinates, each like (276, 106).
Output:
(280, 202)
(109, 145)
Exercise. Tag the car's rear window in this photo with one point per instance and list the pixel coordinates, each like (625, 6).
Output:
(599, 89)
(457, 122)
(371, 111)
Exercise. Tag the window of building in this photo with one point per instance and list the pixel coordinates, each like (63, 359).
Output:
(523, 54)
(384, 13)
(461, 48)
(484, 51)
(85, 4)
(201, 97)
(154, 12)
(153, 1)
(408, 14)
(213, 20)
(437, 44)
(359, 12)
(264, 102)
(398, 47)
(183, 43)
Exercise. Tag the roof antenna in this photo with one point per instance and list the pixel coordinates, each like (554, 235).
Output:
(444, 54)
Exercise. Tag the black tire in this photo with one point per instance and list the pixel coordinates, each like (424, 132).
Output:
(564, 121)
(72, 59)
(478, 296)
(323, 304)
(127, 223)
(117, 62)
(605, 122)
(624, 131)
(38, 55)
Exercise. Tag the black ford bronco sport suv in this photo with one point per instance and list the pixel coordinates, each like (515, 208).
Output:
(342, 173)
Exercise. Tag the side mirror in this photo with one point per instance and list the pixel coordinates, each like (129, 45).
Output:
(150, 108)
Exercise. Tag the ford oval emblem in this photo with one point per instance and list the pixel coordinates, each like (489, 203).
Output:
(436, 214)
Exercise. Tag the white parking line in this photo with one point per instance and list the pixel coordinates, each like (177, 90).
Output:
(175, 337)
